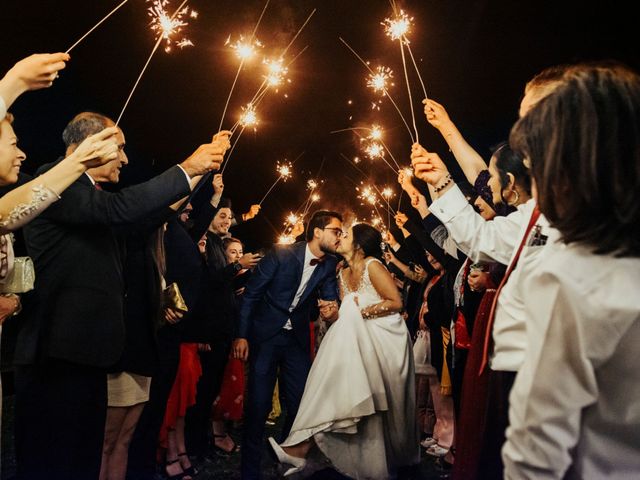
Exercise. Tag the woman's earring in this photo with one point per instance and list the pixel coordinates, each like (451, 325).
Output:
(516, 202)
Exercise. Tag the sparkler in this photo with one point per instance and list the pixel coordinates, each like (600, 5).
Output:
(276, 72)
(249, 117)
(244, 51)
(165, 29)
(286, 239)
(378, 78)
(96, 26)
(397, 29)
(284, 171)
(373, 150)
(165, 26)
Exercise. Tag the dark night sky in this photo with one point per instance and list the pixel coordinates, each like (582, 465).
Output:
(474, 55)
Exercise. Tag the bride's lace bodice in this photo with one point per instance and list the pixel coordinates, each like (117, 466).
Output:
(366, 292)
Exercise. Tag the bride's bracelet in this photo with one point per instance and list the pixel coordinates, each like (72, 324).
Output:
(377, 310)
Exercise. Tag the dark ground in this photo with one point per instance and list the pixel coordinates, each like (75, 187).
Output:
(216, 465)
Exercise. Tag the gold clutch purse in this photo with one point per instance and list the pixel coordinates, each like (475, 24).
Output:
(22, 277)
(173, 298)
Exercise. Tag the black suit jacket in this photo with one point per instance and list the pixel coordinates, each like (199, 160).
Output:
(77, 313)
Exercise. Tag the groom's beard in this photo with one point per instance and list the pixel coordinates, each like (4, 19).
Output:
(329, 248)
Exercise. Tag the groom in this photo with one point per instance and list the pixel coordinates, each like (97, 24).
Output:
(274, 326)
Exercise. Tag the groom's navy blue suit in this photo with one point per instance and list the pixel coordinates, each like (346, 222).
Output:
(273, 350)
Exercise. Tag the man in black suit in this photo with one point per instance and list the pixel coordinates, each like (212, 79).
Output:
(74, 329)
(274, 325)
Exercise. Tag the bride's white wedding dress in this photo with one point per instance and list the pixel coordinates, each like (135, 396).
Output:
(359, 400)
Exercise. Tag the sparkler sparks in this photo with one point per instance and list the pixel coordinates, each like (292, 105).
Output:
(276, 72)
(285, 170)
(315, 197)
(165, 26)
(249, 117)
(397, 28)
(286, 240)
(244, 49)
(292, 219)
(374, 150)
(368, 195)
(387, 193)
(380, 79)
(312, 184)
(375, 133)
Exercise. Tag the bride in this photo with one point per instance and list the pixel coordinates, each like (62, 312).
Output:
(358, 405)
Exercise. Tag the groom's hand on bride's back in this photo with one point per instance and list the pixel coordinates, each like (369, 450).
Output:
(240, 349)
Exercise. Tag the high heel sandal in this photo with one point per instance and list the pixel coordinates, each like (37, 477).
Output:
(283, 457)
(177, 476)
(236, 447)
(191, 470)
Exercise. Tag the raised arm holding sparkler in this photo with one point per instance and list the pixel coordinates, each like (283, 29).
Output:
(470, 161)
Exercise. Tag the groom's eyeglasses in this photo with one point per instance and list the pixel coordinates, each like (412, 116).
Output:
(338, 231)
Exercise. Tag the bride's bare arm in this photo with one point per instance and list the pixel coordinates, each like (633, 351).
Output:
(385, 286)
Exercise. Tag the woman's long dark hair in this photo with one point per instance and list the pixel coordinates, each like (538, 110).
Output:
(369, 239)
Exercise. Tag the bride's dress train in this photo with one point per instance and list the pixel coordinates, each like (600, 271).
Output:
(359, 400)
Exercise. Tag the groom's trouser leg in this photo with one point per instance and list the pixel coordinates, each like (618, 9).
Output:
(294, 369)
(263, 368)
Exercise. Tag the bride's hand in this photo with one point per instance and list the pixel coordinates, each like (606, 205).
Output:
(328, 310)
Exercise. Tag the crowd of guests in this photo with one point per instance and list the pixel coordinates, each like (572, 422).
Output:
(517, 284)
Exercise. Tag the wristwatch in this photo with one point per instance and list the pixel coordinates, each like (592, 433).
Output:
(237, 267)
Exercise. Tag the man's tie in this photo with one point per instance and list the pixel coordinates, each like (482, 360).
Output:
(97, 185)
(488, 336)
(316, 261)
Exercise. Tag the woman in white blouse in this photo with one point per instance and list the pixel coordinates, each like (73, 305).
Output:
(575, 405)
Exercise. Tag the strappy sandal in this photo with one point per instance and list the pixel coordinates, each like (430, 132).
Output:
(236, 447)
(191, 470)
(178, 476)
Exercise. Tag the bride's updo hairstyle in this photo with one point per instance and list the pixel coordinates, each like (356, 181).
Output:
(369, 239)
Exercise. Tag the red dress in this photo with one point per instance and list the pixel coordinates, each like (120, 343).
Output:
(230, 401)
(183, 392)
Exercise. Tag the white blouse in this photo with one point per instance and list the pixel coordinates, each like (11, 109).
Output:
(498, 240)
(575, 404)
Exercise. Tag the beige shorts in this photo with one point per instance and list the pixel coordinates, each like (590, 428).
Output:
(127, 389)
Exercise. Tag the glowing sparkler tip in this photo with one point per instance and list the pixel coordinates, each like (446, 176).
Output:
(376, 132)
(315, 197)
(286, 240)
(276, 72)
(292, 219)
(284, 170)
(398, 27)
(245, 49)
(387, 193)
(248, 118)
(408, 172)
(165, 26)
(380, 79)
(374, 150)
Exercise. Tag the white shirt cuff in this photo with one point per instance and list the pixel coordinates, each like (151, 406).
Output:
(450, 204)
(3, 109)
(185, 174)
